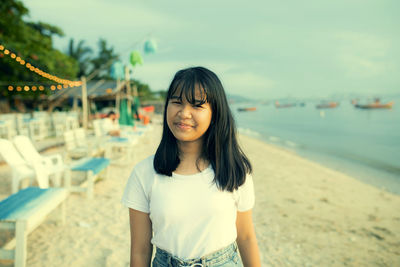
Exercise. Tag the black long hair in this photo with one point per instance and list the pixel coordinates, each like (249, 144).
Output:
(220, 145)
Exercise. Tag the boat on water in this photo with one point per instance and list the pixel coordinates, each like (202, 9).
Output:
(374, 105)
(327, 105)
(247, 109)
(288, 105)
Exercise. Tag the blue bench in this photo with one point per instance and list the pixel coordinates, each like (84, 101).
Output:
(22, 212)
(91, 167)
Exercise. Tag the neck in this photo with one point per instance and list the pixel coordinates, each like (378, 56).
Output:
(190, 150)
(190, 158)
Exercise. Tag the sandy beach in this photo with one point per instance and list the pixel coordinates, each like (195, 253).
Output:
(305, 215)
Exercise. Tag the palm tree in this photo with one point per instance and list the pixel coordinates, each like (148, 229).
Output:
(81, 54)
(103, 61)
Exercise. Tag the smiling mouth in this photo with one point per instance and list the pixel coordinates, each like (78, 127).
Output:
(183, 126)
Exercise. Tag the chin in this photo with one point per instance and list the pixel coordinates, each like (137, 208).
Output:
(186, 139)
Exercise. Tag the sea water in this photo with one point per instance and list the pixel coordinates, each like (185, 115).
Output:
(362, 143)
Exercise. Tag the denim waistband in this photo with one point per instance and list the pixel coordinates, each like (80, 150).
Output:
(218, 256)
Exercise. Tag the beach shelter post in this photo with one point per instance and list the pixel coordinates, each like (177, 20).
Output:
(84, 103)
(128, 90)
(75, 103)
(118, 96)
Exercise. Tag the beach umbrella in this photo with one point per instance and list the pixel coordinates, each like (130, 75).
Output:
(150, 46)
(117, 70)
(136, 58)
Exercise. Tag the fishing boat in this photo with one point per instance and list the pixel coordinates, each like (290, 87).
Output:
(376, 104)
(288, 105)
(247, 109)
(327, 105)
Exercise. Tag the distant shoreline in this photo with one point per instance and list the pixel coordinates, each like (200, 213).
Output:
(388, 181)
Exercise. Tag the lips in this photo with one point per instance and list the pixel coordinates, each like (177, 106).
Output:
(184, 126)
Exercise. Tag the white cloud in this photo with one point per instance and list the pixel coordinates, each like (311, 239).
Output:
(303, 50)
(361, 66)
(247, 83)
(158, 74)
(103, 15)
(362, 54)
(123, 24)
(235, 80)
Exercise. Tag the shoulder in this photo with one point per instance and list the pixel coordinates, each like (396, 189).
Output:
(138, 188)
(144, 171)
(248, 185)
(244, 195)
(143, 174)
(145, 166)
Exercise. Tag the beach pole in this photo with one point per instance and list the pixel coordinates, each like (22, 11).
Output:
(117, 96)
(75, 104)
(84, 104)
(128, 90)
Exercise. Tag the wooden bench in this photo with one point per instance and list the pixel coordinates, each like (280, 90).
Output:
(22, 212)
(90, 167)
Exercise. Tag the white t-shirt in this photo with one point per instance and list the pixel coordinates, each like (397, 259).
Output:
(190, 216)
(109, 125)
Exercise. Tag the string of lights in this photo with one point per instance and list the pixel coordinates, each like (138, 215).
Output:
(62, 83)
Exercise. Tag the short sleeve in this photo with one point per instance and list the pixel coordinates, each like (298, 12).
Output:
(245, 195)
(135, 195)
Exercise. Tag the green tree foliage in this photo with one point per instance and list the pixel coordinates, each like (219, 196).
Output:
(81, 54)
(145, 93)
(32, 41)
(101, 64)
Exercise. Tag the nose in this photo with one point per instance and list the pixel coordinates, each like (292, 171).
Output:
(185, 111)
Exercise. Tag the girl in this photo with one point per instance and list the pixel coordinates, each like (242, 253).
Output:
(193, 198)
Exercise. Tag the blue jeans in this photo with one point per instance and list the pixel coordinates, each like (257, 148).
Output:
(226, 257)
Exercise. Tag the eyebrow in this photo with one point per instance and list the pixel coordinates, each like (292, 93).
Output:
(199, 102)
(196, 101)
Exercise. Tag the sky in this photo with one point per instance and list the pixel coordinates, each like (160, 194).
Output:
(259, 49)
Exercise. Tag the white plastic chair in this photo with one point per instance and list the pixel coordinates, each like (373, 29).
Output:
(98, 132)
(80, 138)
(37, 129)
(22, 125)
(8, 125)
(71, 123)
(118, 149)
(53, 163)
(73, 151)
(58, 121)
(46, 120)
(90, 142)
(5, 129)
(19, 167)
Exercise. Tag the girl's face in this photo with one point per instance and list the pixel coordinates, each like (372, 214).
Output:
(188, 122)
